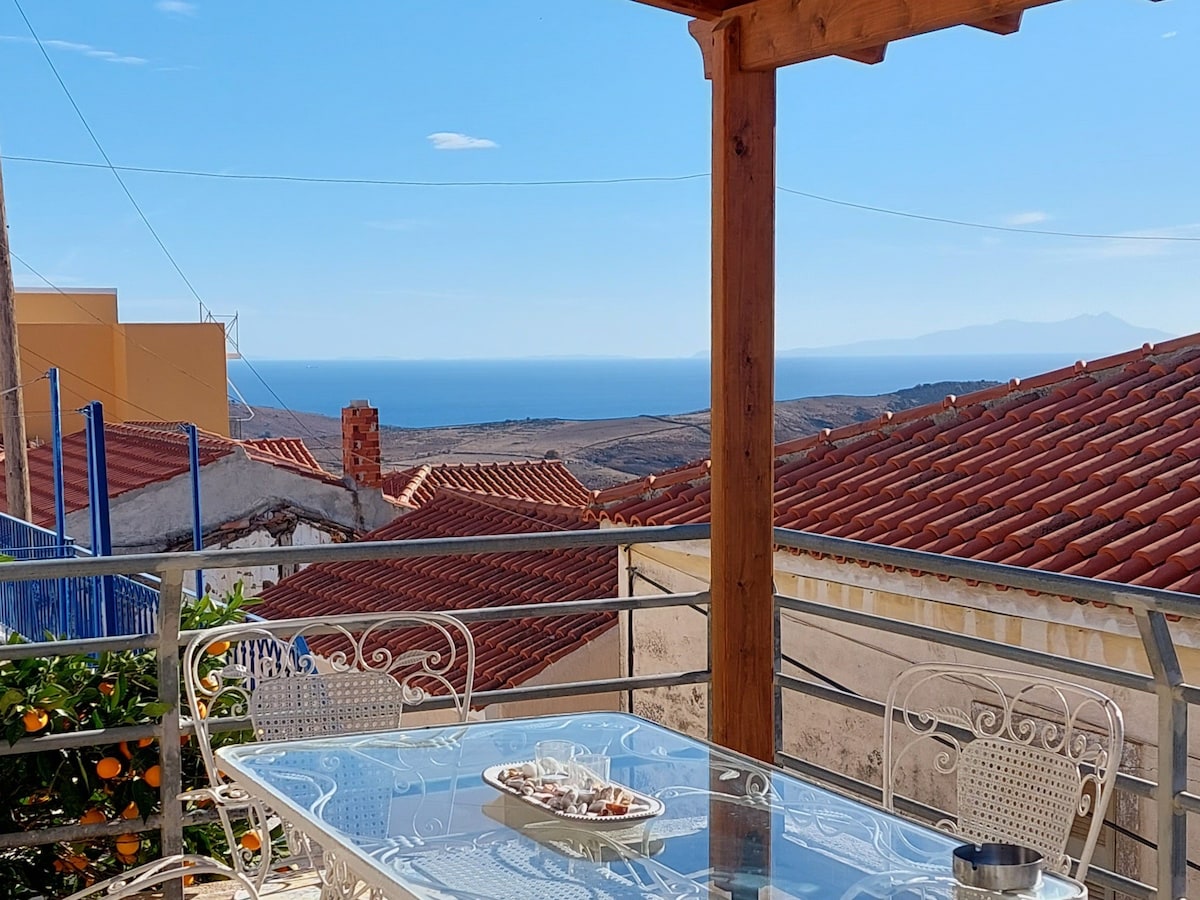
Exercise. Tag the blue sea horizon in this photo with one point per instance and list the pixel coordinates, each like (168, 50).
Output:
(432, 393)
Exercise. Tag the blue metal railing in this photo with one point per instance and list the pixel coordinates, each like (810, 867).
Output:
(70, 608)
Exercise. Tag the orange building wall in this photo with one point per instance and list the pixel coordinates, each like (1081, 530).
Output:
(139, 371)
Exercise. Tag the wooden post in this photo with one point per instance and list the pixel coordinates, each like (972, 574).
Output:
(12, 401)
(743, 358)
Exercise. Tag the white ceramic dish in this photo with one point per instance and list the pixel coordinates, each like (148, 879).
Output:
(641, 808)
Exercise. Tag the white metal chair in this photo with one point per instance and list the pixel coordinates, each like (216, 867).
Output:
(1028, 754)
(296, 679)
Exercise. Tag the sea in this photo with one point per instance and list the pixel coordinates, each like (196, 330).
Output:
(431, 393)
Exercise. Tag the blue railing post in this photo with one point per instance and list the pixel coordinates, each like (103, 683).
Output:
(197, 523)
(98, 500)
(60, 502)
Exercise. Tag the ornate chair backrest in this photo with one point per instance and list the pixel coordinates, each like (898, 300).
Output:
(343, 675)
(1028, 754)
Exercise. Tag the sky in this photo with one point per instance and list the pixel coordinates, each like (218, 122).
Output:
(1083, 121)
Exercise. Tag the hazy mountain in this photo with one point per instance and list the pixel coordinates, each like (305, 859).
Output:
(1086, 336)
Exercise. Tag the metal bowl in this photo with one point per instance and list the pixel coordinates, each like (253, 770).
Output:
(997, 867)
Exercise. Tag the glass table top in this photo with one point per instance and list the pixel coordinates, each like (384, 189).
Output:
(410, 814)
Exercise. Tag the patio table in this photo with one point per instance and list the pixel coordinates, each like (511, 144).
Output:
(408, 813)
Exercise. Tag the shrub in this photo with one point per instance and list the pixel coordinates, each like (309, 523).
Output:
(91, 785)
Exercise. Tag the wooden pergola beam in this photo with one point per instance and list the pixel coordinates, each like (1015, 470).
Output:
(778, 33)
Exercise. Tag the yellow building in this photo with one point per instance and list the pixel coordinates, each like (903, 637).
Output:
(140, 371)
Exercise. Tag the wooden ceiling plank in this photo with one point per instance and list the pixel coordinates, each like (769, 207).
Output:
(1009, 24)
(871, 56)
(782, 32)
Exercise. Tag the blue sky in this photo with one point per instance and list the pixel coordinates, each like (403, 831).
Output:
(1084, 121)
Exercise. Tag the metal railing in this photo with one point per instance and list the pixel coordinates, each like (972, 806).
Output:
(168, 640)
(1150, 607)
(68, 607)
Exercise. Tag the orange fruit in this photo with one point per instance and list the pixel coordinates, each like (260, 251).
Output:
(251, 841)
(78, 862)
(145, 742)
(202, 709)
(35, 720)
(125, 751)
(216, 648)
(130, 812)
(153, 776)
(129, 844)
(59, 865)
(189, 880)
(107, 688)
(109, 767)
(209, 682)
(93, 816)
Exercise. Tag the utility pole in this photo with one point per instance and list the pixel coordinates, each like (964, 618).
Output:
(12, 401)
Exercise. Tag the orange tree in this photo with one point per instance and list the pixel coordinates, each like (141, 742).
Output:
(91, 785)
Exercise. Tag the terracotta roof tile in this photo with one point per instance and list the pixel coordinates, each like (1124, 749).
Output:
(1092, 469)
(543, 481)
(509, 652)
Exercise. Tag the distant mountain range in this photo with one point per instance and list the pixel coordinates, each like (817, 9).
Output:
(1087, 336)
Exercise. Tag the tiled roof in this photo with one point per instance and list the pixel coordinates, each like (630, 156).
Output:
(1092, 470)
(542, 481)
(508, 652)
(290, 452)
(137, 456)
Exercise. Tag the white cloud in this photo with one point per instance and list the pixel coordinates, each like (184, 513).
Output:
(453, 140)
(1169, 34)
(176, 7)
(75, 47)
(1033, 217)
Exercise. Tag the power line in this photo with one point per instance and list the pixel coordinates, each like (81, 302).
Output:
(564, 182)
(392, 182)
(964, 223)
(100, 147)
(142, 215)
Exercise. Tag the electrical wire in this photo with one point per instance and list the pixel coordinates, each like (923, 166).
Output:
(100, 147)
(145, 220)
(964, 223)
(378, 182)
(566, 182)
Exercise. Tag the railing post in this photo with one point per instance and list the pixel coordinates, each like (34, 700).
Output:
(1171, 878)
(170, 602)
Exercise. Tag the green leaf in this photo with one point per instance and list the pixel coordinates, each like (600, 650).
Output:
(10, 698)
(157, 709)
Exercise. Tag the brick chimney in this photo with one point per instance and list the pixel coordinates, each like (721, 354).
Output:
(362, 459)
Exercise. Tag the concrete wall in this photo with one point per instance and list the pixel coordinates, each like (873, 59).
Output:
(255, 578)
(599, 658)
(164, 371)
(233, 487)
(866, 661)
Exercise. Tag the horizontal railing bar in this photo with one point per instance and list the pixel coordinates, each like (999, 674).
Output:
(17, 839)
(1074, 586)
(157, 563)
(77, 647)
(1110, 879)
(1120, 677)
(353, 622)
(1189, 694)
(85, 737)
(1189, 801)
(572, 689)
(1143, 787)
